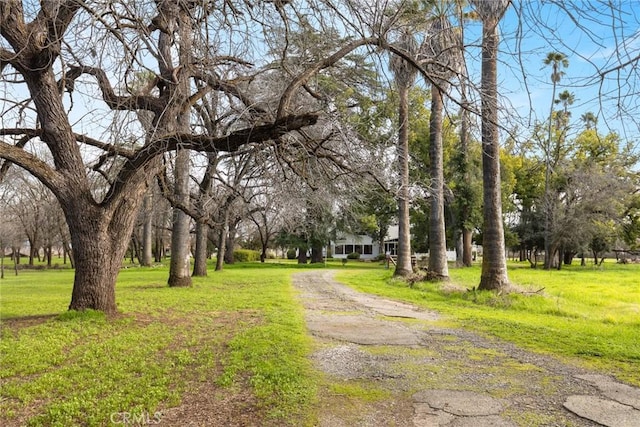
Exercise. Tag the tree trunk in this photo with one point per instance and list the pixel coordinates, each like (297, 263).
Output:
(494, 264)
(222, 243)
(97, 267)
(68, 251)
(459, 247)
(147, 232)
(438, 267)
(230, 244)
(568, 257)
(99, 238)
(465, 213)
(33, 251)
(263, 253)
(316, 255)
(179, 268)
(200, 257)
(302, 256)
(467, 247)
(176, 119)
(403, 267)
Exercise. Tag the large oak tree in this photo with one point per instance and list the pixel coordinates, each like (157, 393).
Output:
(101, 220)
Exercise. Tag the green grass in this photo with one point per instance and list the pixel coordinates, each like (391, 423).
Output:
(242, 329)
(588, 315)
(237, 329)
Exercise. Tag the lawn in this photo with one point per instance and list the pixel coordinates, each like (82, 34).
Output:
(239, 330)
(589, 316)
(238, 337)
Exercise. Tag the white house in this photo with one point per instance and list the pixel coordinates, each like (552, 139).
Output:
(368, 249)
(364, 245)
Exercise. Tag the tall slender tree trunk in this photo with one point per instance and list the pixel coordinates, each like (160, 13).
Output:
(200, 256)
(465, 214)
(467, 247)
(179, 269)
(457, 238)
(404, 267)
(147, 232)
(229, 258)
(48, 252)
(222, 242)
(176, 118)
(494, 264)
(438, 268)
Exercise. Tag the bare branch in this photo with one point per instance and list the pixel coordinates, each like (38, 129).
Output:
(34, 133)
(45, 173)
(205, 143)
(230, 89)
(115, 102)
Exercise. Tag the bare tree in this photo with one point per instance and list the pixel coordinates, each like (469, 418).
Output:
(41, 48)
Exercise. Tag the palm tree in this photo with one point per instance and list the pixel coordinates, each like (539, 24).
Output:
(556, 60)
(590, 120)
(405, 74)
(565, 98)
(442, 56)
(494, 264)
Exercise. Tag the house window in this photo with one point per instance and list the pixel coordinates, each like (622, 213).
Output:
(368, 249)
(348, 249)
(339, 249)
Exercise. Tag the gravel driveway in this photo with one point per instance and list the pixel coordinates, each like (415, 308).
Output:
(390, 364)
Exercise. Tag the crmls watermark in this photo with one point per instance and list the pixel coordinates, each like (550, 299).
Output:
(135, 418)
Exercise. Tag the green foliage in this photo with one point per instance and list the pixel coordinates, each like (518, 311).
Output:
(292, 254)
(236, 328)
(246, 255)
(353, 255)
(588, 315)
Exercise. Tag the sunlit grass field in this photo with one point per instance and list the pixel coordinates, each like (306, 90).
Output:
(589, 315)
(240, 329)
(243, 329)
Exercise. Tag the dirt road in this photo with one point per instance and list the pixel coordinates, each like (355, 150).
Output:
(390, 364)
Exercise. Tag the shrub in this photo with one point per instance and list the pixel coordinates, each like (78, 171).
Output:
(245, 255)
(353, 255)
(291, 254)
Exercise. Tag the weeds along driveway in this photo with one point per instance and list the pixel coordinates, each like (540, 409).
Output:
(389, 363)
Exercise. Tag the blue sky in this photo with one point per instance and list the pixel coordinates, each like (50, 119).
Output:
(594, 38)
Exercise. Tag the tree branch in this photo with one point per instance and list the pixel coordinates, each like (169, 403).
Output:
(115, 102)
(230, 89)
(113, 150)
(229, 143)
(12, 25)
(41, 170)
(6, 57)
(301, 79)
(34, 133)
(205, 143)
